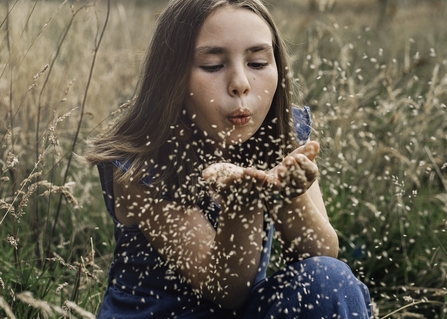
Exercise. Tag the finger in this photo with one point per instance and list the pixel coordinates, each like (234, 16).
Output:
(284, 173)
(309, 168)
(258, 178)
(212, 172)
(298, 172)
(223, 174)
(310, 149)
(291, 162)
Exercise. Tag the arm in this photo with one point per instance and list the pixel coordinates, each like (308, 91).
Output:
(300, 215)
(221, 264)
(304, 229)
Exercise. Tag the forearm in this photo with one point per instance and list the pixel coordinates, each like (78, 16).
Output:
(234, 258)
(304, 230)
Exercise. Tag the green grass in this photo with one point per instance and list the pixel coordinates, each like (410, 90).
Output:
(378, 96)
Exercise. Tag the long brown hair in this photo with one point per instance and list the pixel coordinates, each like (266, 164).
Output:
(149, 135)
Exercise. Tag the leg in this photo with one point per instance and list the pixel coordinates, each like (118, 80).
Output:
(319, 287)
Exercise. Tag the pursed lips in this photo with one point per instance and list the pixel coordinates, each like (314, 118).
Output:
(240, 117)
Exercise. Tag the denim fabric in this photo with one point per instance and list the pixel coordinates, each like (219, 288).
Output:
(141, 285)
(314, 288)
(302, 123)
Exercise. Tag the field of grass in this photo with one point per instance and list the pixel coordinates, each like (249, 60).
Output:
(378, 92)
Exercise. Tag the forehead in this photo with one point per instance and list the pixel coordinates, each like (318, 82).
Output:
(234, 25)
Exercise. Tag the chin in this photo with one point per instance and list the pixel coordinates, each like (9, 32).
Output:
(239, 139)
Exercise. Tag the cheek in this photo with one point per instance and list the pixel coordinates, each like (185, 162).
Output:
(198, 110)
(274, 81)
(272, 86)
(199, 91)
(270, 82)
(192, 101)
(192, 109)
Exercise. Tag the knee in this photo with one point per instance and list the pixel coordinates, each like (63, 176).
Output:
(326, 268)
(317, 287)
(328, 275)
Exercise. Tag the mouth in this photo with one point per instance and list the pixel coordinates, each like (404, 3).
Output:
(240, 117)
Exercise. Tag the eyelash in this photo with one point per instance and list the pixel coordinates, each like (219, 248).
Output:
(211, 68)
(258, 65)
(215, 68)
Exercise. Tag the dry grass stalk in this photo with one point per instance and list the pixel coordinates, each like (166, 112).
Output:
(27, 297)
(36, 77)
(89, 260)
(52, 138)
(7, 206)
(61, 261)
(6, 308)
(11, 162)
(13, 241)
(24, 202)
(29, 178)
(83, 269)
(412, 304)
(61, 286)
(84, 313)
(64, 98)
(25, 198)
(60, 189)
(123, 106)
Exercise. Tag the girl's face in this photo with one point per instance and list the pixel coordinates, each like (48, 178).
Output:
(234, 75)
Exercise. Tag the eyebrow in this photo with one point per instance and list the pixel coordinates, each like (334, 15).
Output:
(216, 50)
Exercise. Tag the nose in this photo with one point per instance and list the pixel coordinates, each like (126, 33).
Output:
(238, 84)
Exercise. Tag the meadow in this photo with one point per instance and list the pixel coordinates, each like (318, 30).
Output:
(376, 83)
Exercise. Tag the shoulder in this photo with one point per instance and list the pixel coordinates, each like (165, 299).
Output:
(127, 167)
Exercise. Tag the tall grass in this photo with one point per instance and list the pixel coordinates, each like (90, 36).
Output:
(379, 99)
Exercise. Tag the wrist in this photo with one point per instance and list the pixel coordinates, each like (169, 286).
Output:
(274, 202)
(278, 197)
(237, 202)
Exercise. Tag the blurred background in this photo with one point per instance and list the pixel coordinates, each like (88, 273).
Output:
(372, 71)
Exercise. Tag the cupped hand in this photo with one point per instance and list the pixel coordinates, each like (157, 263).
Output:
(291, 178)
(297, 172)
(229, 180)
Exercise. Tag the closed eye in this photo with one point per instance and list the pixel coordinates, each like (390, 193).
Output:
(211, 68)
(257, 65)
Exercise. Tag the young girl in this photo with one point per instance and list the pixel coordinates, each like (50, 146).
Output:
(210, 160)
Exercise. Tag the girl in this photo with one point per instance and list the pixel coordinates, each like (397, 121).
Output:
(207, 163)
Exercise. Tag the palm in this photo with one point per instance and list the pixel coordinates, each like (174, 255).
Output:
(296, 173)
(292, 177)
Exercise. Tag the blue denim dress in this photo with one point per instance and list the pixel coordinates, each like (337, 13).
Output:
(142, 285)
